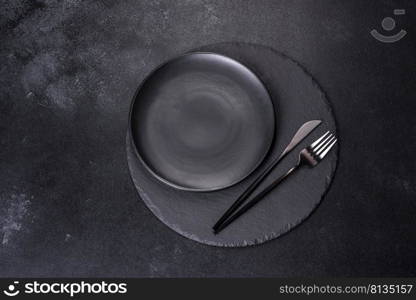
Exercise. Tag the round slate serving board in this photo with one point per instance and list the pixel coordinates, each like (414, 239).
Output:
(297, 98)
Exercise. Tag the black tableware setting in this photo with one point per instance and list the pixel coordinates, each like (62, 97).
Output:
(208, 139)
(213, 137)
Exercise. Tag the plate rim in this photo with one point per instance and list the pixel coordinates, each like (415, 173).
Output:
(163, 179)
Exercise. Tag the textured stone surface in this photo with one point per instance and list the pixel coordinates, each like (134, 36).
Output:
(68, 70)
(297, 98)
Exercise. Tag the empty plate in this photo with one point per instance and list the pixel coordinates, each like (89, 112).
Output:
(202, 122)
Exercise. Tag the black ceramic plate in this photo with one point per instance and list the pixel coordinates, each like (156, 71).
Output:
(202, 122)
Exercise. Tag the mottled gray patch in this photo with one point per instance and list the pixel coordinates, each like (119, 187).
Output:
(15, 210)
(39, 72)
(68, 237)
(61, 93)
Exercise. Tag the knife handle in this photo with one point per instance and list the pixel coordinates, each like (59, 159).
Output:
(248, 191)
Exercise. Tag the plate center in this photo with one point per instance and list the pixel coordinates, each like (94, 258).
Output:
(203, 121)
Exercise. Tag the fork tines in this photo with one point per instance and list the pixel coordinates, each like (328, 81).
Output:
(322, 145)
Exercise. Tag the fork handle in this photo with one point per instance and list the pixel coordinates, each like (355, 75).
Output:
(260, 196)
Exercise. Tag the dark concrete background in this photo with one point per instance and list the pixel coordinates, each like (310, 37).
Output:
(68, 70)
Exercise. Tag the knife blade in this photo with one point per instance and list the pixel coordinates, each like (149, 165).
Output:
(302, 132)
